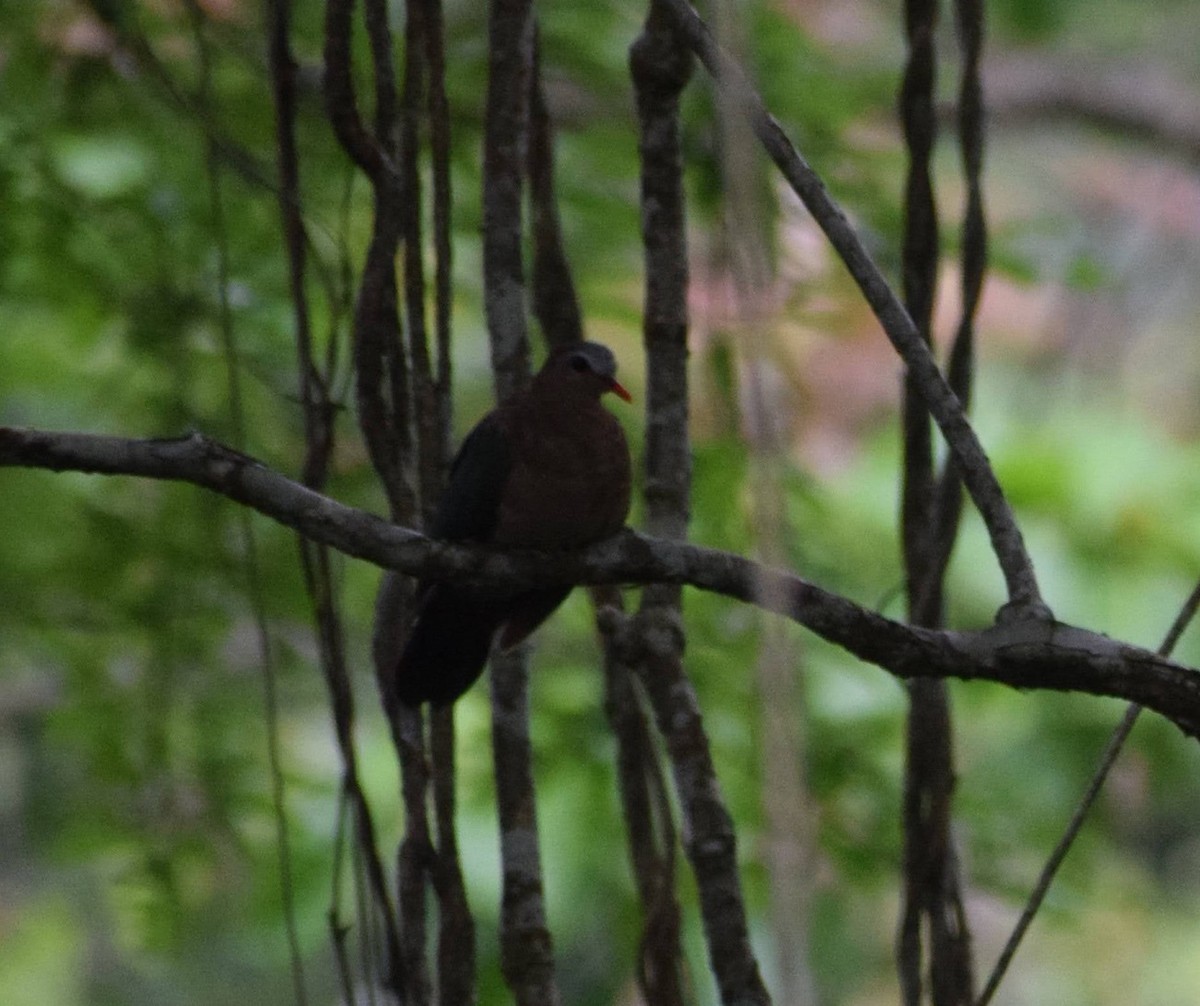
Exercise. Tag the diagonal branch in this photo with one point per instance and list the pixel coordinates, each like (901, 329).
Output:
(1021, 653)
(944, 406)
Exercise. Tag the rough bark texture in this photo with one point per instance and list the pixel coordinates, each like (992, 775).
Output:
(510, 61)
(1021, 652)
(660, 67)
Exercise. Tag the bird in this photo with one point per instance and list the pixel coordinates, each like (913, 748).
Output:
(547, 469)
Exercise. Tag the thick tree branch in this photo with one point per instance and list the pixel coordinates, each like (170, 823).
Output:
(661, 64)
(1022, 653)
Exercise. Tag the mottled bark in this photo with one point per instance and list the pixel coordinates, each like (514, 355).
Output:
(660, 67)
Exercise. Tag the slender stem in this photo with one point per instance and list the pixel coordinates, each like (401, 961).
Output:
(249, 544)
(1108, 758)
(933, 948)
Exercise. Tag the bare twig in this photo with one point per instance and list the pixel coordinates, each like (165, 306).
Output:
(249, 542)
(439, 144)
(948, 501)
(708, 835)
(456, 928)
(920, 266)
(380, 364)
(338, 930)
(341, 100)
(425, 94)
(386, 418)
(1108, 758)
(526, 947)
(319, 412)
(415, 858)
(431, 442)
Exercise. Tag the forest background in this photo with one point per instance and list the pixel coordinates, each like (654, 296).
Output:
(139, 854)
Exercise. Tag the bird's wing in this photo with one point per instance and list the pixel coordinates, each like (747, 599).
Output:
(470, 506)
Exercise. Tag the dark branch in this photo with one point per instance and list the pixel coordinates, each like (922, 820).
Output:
(933, 940)
(660, 66)
(510, 57)
(1108, 758)
(1021, 653)
(526, 945)
(340, 98)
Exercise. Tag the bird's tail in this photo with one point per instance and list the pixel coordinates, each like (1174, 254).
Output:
(448, 647)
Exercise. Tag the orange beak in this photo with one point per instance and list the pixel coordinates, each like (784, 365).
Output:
(619, 391)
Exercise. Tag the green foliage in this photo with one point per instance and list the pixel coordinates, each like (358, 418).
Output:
(1029, 20)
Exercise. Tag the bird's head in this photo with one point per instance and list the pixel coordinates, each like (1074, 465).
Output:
(585, 368)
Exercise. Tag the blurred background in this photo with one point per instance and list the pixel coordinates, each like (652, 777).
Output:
(138, 857)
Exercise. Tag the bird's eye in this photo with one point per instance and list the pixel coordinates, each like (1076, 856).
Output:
(579, 364)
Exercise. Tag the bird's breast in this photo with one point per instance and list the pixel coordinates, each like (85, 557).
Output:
(569, 484)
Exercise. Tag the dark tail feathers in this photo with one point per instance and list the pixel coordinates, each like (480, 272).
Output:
(448, 647)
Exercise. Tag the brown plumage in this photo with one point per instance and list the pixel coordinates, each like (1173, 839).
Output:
(548, 469)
